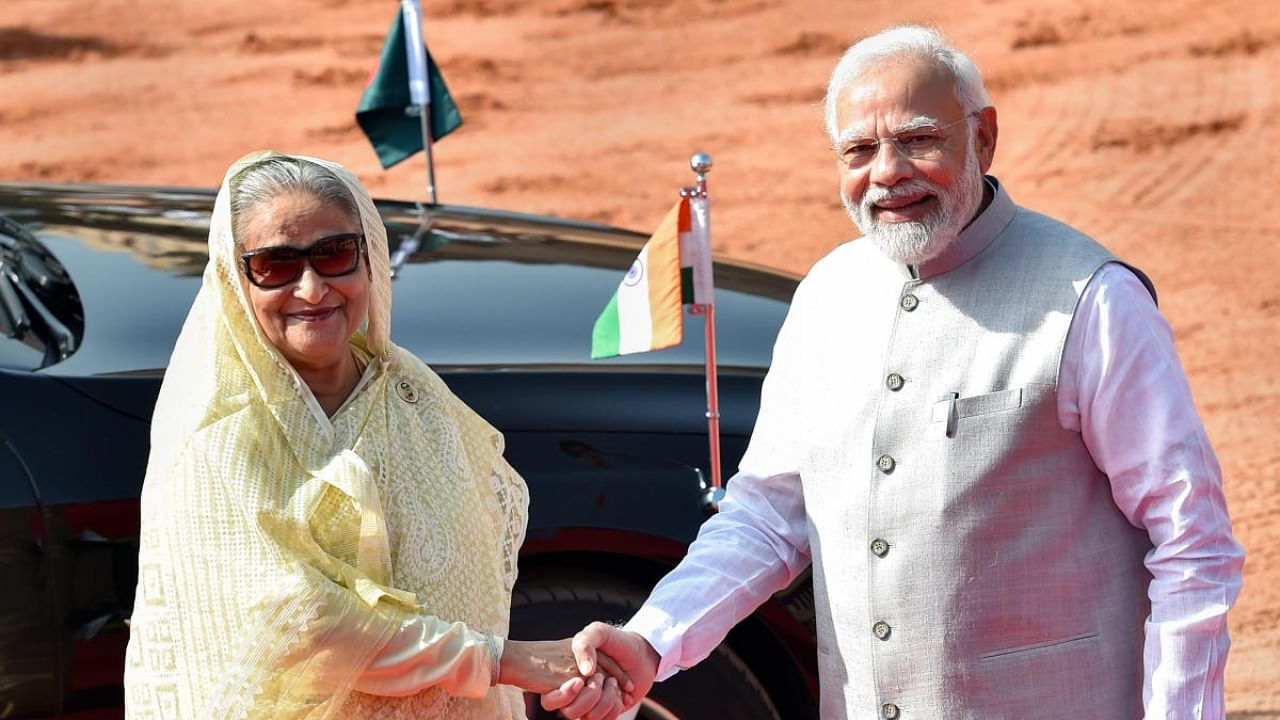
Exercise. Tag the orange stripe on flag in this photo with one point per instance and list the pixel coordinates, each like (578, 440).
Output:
(664, 276)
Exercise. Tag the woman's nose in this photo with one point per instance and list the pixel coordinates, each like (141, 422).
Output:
(311, 286)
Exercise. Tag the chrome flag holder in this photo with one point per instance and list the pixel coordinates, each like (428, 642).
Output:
(419, 81)
(713, 491)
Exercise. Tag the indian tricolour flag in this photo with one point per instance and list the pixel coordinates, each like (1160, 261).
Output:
(674, 267)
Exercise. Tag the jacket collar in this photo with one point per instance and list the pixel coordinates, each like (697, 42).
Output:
(973, 239)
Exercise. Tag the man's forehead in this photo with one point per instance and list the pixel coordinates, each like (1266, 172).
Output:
(897, 92)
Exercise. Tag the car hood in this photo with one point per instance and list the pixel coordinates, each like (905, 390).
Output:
(482, 289)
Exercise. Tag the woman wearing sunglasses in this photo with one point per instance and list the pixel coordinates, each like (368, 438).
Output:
(319, 511)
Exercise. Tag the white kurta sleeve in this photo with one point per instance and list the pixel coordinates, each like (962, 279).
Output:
(429, 652)
(1122, 387)
(758, 542)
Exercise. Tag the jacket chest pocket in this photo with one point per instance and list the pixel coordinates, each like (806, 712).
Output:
(992, 442)
(950, 411)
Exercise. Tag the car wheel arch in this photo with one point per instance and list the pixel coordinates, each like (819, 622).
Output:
(791, 685)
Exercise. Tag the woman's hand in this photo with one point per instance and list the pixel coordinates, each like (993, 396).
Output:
(537, 665)
(541, 666)
(602, 647)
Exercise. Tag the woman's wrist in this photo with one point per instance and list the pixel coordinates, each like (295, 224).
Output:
(537, 666)
(496, 650)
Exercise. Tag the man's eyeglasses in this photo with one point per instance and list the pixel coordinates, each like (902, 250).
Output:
(918, 143)
(274, 267)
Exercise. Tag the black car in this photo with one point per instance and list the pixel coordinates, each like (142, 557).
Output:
(95, 283)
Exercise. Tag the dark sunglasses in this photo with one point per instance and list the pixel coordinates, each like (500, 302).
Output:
(274, 267)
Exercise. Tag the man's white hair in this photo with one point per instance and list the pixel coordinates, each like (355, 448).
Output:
(905, 41)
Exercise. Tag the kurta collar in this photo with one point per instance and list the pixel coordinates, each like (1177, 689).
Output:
(975, 238)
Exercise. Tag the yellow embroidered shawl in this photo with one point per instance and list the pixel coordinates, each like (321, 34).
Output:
(280, 549)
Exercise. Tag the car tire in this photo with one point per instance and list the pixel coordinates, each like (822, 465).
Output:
(553, 605)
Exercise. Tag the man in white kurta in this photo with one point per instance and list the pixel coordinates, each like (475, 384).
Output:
(977, 430)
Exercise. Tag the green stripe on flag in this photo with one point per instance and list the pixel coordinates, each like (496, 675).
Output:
(686, 285)
(606, 336)
(394, 134)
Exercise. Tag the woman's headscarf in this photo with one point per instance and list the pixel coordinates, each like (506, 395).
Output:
(222, 319)
(265, 569)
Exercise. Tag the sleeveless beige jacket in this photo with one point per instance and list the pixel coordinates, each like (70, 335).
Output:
(969, 560)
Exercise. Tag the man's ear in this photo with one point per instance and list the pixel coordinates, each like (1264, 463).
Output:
(985, 138)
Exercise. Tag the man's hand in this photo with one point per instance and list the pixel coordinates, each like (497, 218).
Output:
(599, 646)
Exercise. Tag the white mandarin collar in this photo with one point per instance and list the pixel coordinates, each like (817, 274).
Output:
(975, 237)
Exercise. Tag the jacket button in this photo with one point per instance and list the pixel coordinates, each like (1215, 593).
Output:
(879, 547)
(910, 302)
(881, 630)
(886, 464)
(889, 711)
(894, 382)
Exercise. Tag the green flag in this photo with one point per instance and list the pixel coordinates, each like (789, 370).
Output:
(381, 114)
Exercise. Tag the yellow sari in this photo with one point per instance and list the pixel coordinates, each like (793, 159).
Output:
(281, 550)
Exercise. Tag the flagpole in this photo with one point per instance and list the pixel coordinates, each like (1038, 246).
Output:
(425, 116)
(714, 493)
(419, 92)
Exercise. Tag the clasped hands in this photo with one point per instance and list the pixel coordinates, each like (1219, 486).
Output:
(598, 674)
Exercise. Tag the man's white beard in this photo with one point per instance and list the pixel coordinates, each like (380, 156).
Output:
(916, 241)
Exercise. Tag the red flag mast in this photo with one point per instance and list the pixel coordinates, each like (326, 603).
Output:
(713, 492)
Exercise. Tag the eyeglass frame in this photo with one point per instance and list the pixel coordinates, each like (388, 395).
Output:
(304, 256)
(893, 140)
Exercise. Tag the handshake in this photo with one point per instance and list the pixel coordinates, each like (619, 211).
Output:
(597, 674)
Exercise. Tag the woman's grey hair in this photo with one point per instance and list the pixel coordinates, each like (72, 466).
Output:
(909, 41)
(263, 181)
